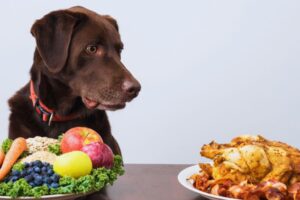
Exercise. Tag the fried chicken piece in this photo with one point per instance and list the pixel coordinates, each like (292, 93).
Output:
(253, 159)
(207, 168)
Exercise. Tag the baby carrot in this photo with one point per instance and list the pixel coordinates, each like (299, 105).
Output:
(17, 148)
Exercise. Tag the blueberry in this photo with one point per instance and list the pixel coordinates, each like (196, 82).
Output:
(14, 178)
(22, 173)
(54, 185)
(55, 178)
(37, 169)
(28, 178)
(47, 180)
(15, 173)
(44, 169)
(46, 164)
(38, 177)
(29, 170)
(50, 172)
(26, 165)
(32, 184)
(37, 163)
(38, 180)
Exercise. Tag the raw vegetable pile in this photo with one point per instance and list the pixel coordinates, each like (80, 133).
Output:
(81, 167)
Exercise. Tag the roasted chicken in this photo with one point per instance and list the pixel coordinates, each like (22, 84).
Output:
(253, 159)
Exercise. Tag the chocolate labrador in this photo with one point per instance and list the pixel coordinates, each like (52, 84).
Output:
(77, 75)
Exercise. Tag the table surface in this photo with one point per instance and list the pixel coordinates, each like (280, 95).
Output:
(147, 182)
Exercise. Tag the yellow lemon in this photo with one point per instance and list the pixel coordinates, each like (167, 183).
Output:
(74, 164)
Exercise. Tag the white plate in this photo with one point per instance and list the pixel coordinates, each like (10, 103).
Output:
(186, 173)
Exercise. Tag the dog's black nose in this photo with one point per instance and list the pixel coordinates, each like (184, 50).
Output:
(131, 88)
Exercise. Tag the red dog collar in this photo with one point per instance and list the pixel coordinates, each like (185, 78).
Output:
(47, 114)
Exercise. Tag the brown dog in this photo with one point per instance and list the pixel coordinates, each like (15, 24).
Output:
(76, 75)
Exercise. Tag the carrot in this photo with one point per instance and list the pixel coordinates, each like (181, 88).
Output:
(17, 148)
(2, 155)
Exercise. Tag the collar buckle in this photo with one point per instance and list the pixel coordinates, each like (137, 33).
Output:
(50, 119)
(45, 115)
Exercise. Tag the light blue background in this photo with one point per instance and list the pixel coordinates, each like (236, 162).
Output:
(209, 70)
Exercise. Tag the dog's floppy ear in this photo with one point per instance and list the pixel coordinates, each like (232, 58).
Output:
(112, 21)
(53, 34)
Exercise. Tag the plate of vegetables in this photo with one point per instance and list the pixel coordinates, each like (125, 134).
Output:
(76, 164)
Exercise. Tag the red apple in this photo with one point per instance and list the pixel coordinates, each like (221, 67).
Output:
(75, 138)
(100, 154)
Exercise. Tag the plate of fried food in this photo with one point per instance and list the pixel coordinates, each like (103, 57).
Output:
(249, 168)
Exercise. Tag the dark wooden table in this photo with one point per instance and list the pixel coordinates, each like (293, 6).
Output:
(148, 182)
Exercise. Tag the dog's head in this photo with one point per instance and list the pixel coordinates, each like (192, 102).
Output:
(82, 49)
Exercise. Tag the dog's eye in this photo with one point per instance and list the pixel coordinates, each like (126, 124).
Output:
(91, 49)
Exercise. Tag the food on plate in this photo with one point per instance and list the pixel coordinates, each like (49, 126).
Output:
(95, 181)
(250, 167)
(38, 143)
(45, 170)
(253, 158)
(43, 156)
(100, 154)
(74, 164)
(294, 191)
(75, 138)
(17, 148)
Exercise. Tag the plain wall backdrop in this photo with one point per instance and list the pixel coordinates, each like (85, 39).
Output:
(210, 70)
